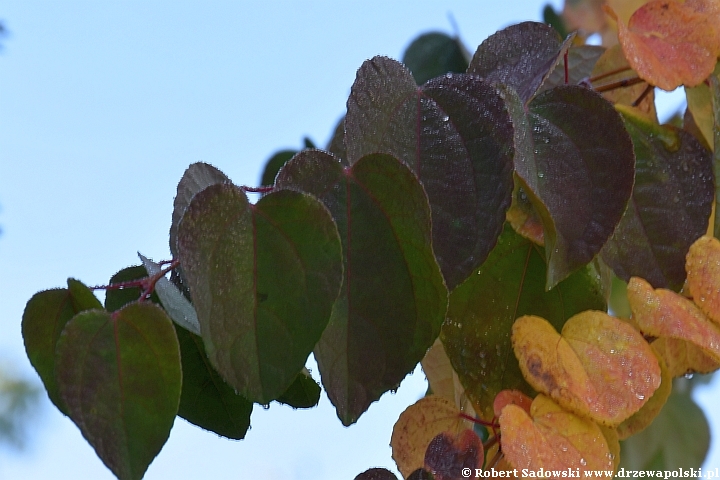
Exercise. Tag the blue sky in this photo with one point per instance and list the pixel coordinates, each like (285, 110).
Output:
(102, 107)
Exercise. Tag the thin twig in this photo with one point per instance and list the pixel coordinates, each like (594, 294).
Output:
(608, 74)
(628, 82)
(642, 96)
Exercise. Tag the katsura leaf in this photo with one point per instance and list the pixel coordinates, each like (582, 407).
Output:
(44, 318)
(120, 378)
(599, 367)
(456, 135)
(670, 204)
(434, 54)
(393, 299)
(263, 279)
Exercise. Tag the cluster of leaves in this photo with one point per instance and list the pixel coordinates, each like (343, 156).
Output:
(473, 205)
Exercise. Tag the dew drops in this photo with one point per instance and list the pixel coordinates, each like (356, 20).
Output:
(445, 118)
(688, 375)
(541, 175)
(639, 396)
(583, 462)
(266, 406)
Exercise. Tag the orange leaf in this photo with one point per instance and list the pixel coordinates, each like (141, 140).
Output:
(644, 417)
(683, 357)
(418, 425)
(664, 313)
(553, 439)
(600, 366)
(671, 43)
(511, 397)
(703, 275)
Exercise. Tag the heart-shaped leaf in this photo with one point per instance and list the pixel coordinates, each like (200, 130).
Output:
(449, 455)
(553, 440)
(196, 178)
(418, 425)
(670, 205)
(455, 133)
(44, 318)
(482, 310)
(376, 474)
(120, 378)
(578, 183)
(520, 56)
(671, 43)
(599, 367)
(664, 313)
(263, 279)
(206, 399)
(703, 275)
(393, 299)
(434, 54)
(683, 357)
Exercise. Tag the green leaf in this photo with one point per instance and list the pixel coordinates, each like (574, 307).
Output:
(581, 60)
(455, 133)
(434, 54)
(303, 393)
(715, 90)
(578, 183)
(274, 164)
(44, 318)
(263, 279)
(670, 205)
(393, 299)
(206, 400)
(173, 301)
(699, 103)
(196, 178)
(116, 298)
(551, 17)
(679, 437)
(511, 283)
(119, 375)
(520, 56)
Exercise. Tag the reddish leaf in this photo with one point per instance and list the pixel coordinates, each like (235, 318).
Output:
(119, 375)
(455, 133)
(448, 454)
(511, 397)
(671, 43)
(393, 300)
(703, 276)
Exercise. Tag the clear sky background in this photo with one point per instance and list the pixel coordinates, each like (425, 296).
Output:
(102, 107)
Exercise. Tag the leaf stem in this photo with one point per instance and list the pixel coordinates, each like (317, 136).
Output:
(642, 96)
(147, 284)
(478, 421)
(608, 74)
(619, 84)
(565, 61)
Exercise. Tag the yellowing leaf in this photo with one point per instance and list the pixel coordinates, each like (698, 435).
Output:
(600, 366)
(664, 313)
(671, 43)
(703, 269)
(442, 378)
(418, 425)
(683, 357)
(553, 439)
(511, 397)
(644, 417)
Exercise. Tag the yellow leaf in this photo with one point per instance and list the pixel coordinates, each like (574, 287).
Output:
(600, 366)
(442, 378)
(644, 417)
(553, 439)
(418, 425)
(664, 313)
(683, 357)
(703, 275)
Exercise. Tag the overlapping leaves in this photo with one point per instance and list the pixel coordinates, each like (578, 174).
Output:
(393, 298)
(511, 283)
(263, 279)
(455, 133)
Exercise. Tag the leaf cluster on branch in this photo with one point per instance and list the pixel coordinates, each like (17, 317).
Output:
(468, 213)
